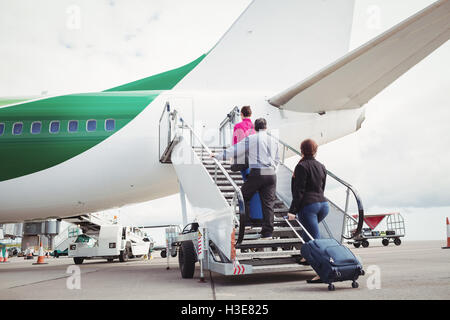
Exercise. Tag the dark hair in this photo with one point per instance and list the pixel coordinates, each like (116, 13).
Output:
(260, 124)
(309, 148)
(246, 111)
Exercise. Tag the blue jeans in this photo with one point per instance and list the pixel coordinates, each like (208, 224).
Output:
(310, 217)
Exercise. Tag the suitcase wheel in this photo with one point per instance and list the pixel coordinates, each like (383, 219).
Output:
(355, 285)
(331, 287)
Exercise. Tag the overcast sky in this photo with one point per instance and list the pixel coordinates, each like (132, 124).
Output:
(399, 160)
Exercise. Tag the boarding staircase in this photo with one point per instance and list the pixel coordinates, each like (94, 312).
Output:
(89, 223)
(210, 184)
(282, 253)
(62, 241)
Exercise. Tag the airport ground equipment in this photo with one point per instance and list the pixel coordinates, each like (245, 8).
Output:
(64, 239)
(14, 251)
(162, 248)
(89, 223)
(111, 242)
(12, 230)
(35, 232)
(392, 227)
(217, 237)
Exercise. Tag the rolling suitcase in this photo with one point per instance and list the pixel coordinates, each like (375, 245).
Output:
(332, 261)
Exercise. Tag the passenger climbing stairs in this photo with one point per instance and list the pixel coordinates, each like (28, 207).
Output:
(218, 238)
(282, 253)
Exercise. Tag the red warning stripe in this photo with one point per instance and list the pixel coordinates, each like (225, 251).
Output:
(200, 242)
(238, 269)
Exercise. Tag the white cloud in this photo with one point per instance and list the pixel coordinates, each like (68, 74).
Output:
(44, 49)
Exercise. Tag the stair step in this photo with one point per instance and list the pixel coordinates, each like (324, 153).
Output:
(221, 176)
(250, 236)
(225, 188)
(215, 151)
(270, 261)
(220, 173)
(228, 194)
(276, 219)
(212, 165)
(286, 232)
(267, 254)
(210, 161)
(274, 243)
(213, 172)
(291, 267)
(224, 182)
(213, 147)
(276, 229)
(277, 210)
(212, 169)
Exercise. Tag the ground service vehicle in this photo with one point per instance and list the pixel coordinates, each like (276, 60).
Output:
(110, 242)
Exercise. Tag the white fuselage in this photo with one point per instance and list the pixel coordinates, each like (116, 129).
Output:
(125, 168)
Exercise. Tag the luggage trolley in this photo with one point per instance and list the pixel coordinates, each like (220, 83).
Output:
(394, 229)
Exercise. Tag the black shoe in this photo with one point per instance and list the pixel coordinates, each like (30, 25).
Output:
(314, 281)
(267, 235)
(304, 263)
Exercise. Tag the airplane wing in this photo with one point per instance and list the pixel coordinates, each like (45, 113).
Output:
(360, 75)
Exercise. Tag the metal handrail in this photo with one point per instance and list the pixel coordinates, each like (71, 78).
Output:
(237, 190)
(166, 110)
(228, 120)
(349, 187)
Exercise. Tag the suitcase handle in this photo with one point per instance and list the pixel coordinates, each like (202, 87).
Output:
(296, 233)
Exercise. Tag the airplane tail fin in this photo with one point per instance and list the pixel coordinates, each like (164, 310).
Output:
(272, 44)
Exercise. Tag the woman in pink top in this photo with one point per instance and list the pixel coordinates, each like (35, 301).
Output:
(245, 127)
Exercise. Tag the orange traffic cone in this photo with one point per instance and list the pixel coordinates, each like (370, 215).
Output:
(448, 236)
(1, 255)
(5, 258)
(40, 259)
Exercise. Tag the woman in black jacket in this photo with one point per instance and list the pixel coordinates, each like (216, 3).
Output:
(307, 186)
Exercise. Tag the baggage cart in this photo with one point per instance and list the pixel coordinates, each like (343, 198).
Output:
(389, 227)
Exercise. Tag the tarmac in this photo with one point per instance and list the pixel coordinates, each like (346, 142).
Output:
(414, 270)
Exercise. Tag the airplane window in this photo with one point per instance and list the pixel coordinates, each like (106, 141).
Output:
(110, 125)
(91, 125)
(2, 128)
(36, 127)
(73, 126)
(54, 127)
(17, 128)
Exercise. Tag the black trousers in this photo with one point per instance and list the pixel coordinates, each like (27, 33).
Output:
(266, 186)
